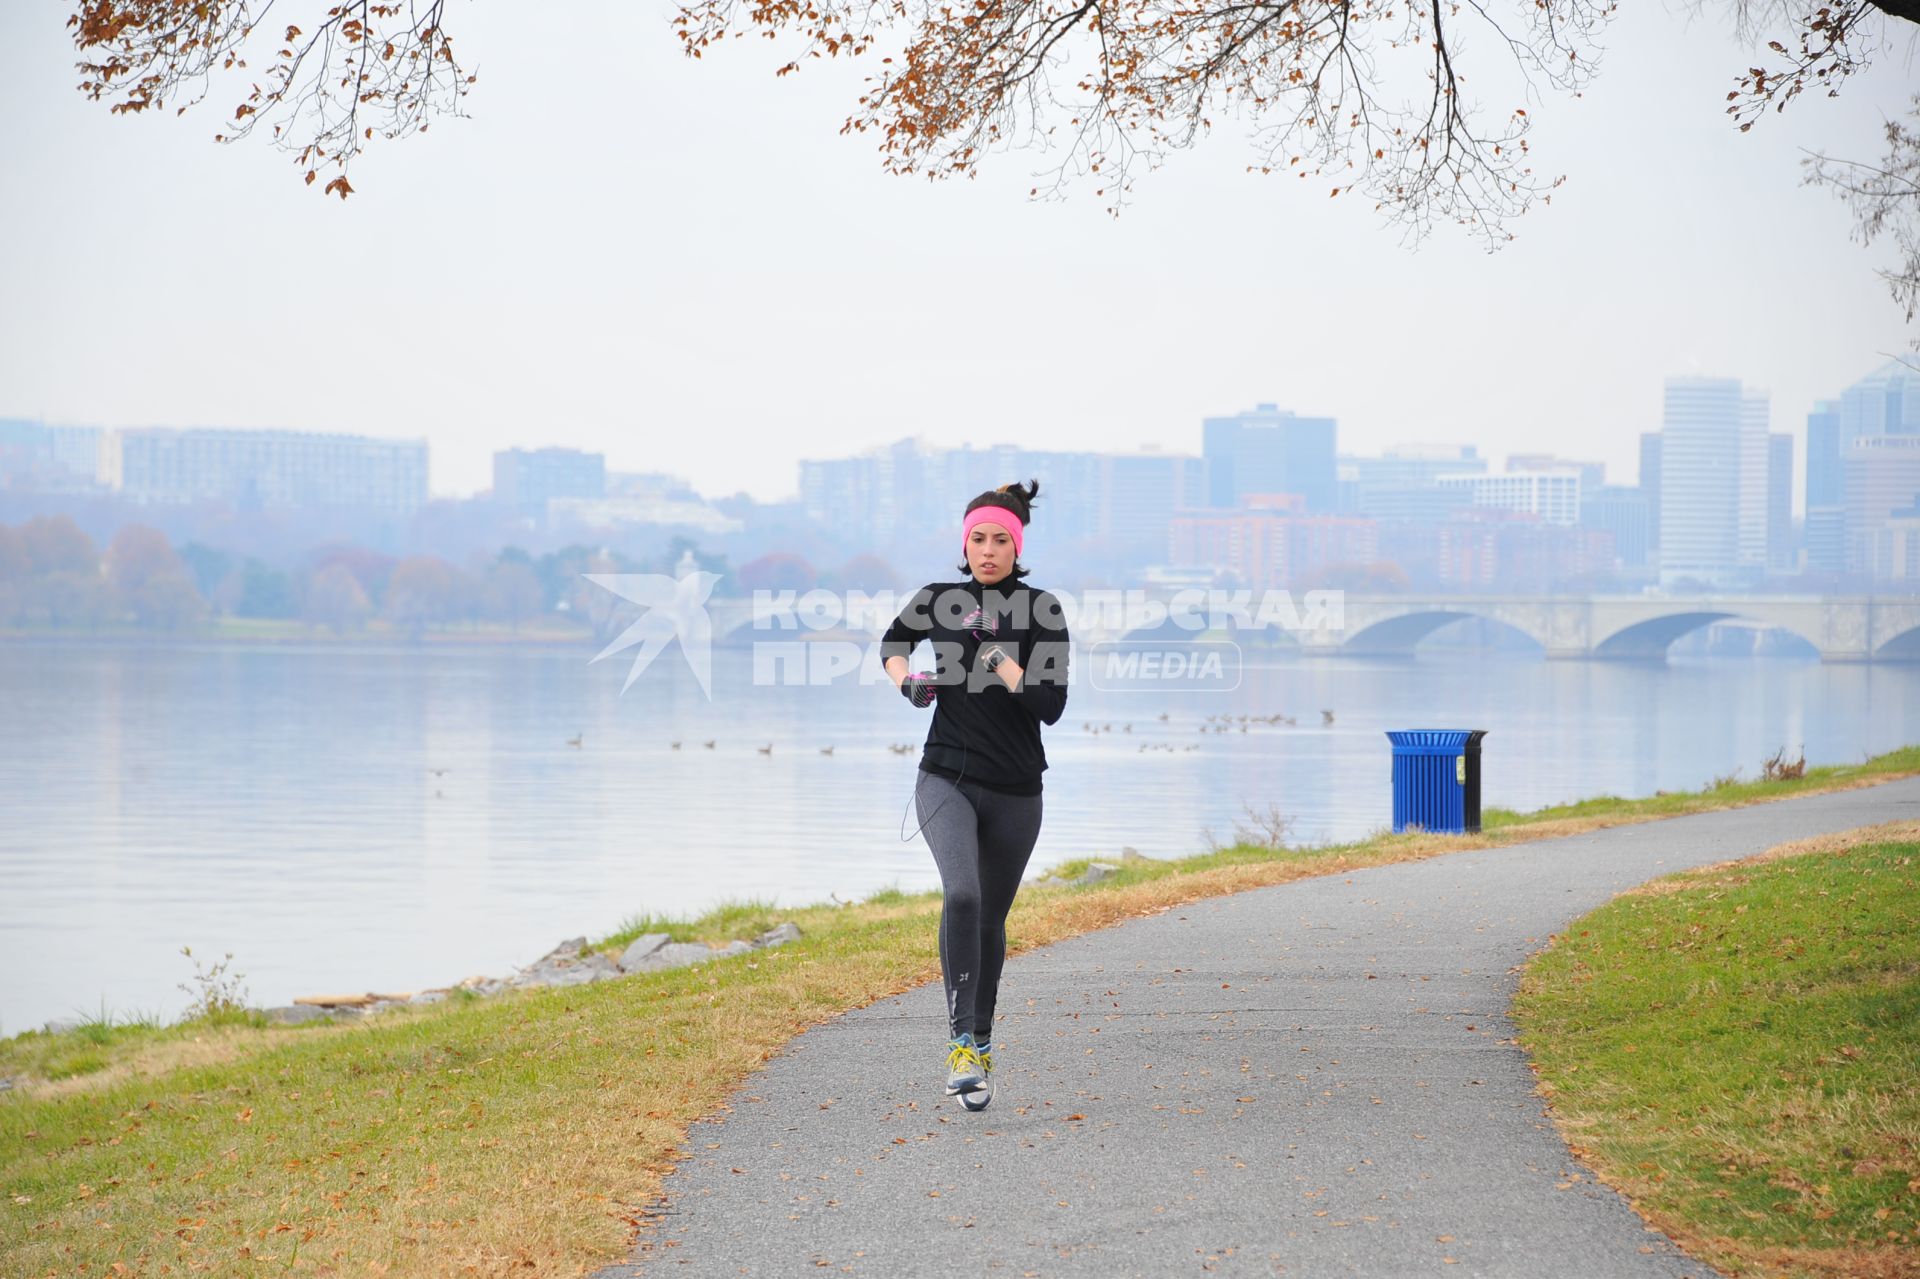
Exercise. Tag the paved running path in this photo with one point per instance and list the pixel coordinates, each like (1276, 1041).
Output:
(1311, 1079)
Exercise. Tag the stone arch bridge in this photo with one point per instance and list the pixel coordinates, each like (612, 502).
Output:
(1634, 627)
(1842, 628)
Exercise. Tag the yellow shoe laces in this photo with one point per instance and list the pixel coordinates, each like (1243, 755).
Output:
(960, 1054)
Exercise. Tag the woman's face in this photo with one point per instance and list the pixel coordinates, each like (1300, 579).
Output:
(989, 553)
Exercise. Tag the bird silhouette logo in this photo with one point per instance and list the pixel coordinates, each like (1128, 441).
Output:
(675, 609)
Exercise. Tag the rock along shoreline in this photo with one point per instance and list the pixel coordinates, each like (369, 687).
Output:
(570, 963)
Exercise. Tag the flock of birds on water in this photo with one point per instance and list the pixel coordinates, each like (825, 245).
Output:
(1211, 724)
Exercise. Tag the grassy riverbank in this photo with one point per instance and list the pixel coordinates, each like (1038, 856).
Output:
(521, 1133)
(1737, 1049)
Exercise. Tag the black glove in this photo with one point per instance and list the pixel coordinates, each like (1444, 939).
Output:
(981, 624)
(918, 689)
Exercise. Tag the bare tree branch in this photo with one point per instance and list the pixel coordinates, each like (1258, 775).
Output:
(365, 67)
(1833, 42)
(1367, 95)
(1885, 200)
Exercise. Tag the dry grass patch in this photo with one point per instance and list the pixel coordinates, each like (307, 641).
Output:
(152, 1060)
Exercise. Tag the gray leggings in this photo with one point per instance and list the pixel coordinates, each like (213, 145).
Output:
(981, 840)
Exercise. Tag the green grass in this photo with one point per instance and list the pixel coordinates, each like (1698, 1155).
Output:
(516, 1133)
(1677, 803)
(78, 1051)
(742, 919)
(1742, 1055)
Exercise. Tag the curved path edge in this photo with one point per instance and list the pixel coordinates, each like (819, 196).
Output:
(1316, 1078)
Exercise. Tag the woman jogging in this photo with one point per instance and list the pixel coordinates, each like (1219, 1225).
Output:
(1001, 653)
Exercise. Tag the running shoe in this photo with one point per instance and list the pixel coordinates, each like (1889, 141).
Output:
(965, 1073)
(979, 1097)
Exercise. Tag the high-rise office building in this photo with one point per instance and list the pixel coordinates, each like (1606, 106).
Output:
(1897, 547)
(268, 470)
(1270, 450)
(1880, 486)
(1072, 487)
(1072, 494)
(1552, 495)
(1885, 402)
(1625, 514)
(907, 491)
(1650, 486)
(1141, 492)
(1845, 505)
(1592, 474)
(841, 491)
(51, 459)
(1713, 483)
(1825, 537)
(1823, 454)
(1754, 490)
(1401, 484)
(1412, 464)
(1782, 556)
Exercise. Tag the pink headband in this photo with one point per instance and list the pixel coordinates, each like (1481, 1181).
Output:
(992, 515)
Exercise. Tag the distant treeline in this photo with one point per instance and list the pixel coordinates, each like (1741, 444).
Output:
(54, 576)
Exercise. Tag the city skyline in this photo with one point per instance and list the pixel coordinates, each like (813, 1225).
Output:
(1269, 498)
(592, 274)
(1416, 451)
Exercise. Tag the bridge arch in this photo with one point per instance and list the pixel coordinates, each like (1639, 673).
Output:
(1649, 640)
(1400, 634)
(1169, 631)
(1903, 647)
(1165, 631)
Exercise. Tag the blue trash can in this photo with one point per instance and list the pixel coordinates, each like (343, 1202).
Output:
(1436, 780)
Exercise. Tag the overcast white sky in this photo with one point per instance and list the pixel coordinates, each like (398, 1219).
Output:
(686, 266)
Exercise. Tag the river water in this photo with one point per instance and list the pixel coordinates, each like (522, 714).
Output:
(352, 819)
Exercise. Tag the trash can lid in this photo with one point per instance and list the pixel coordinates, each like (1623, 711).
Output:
(1431, 741)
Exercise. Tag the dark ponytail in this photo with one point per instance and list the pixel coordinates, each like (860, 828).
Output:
(1016, 497)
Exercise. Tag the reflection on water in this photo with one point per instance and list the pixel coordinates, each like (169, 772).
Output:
(368, 819)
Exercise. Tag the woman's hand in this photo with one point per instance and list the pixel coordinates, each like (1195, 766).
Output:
(1009, 671)
(918, 689)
